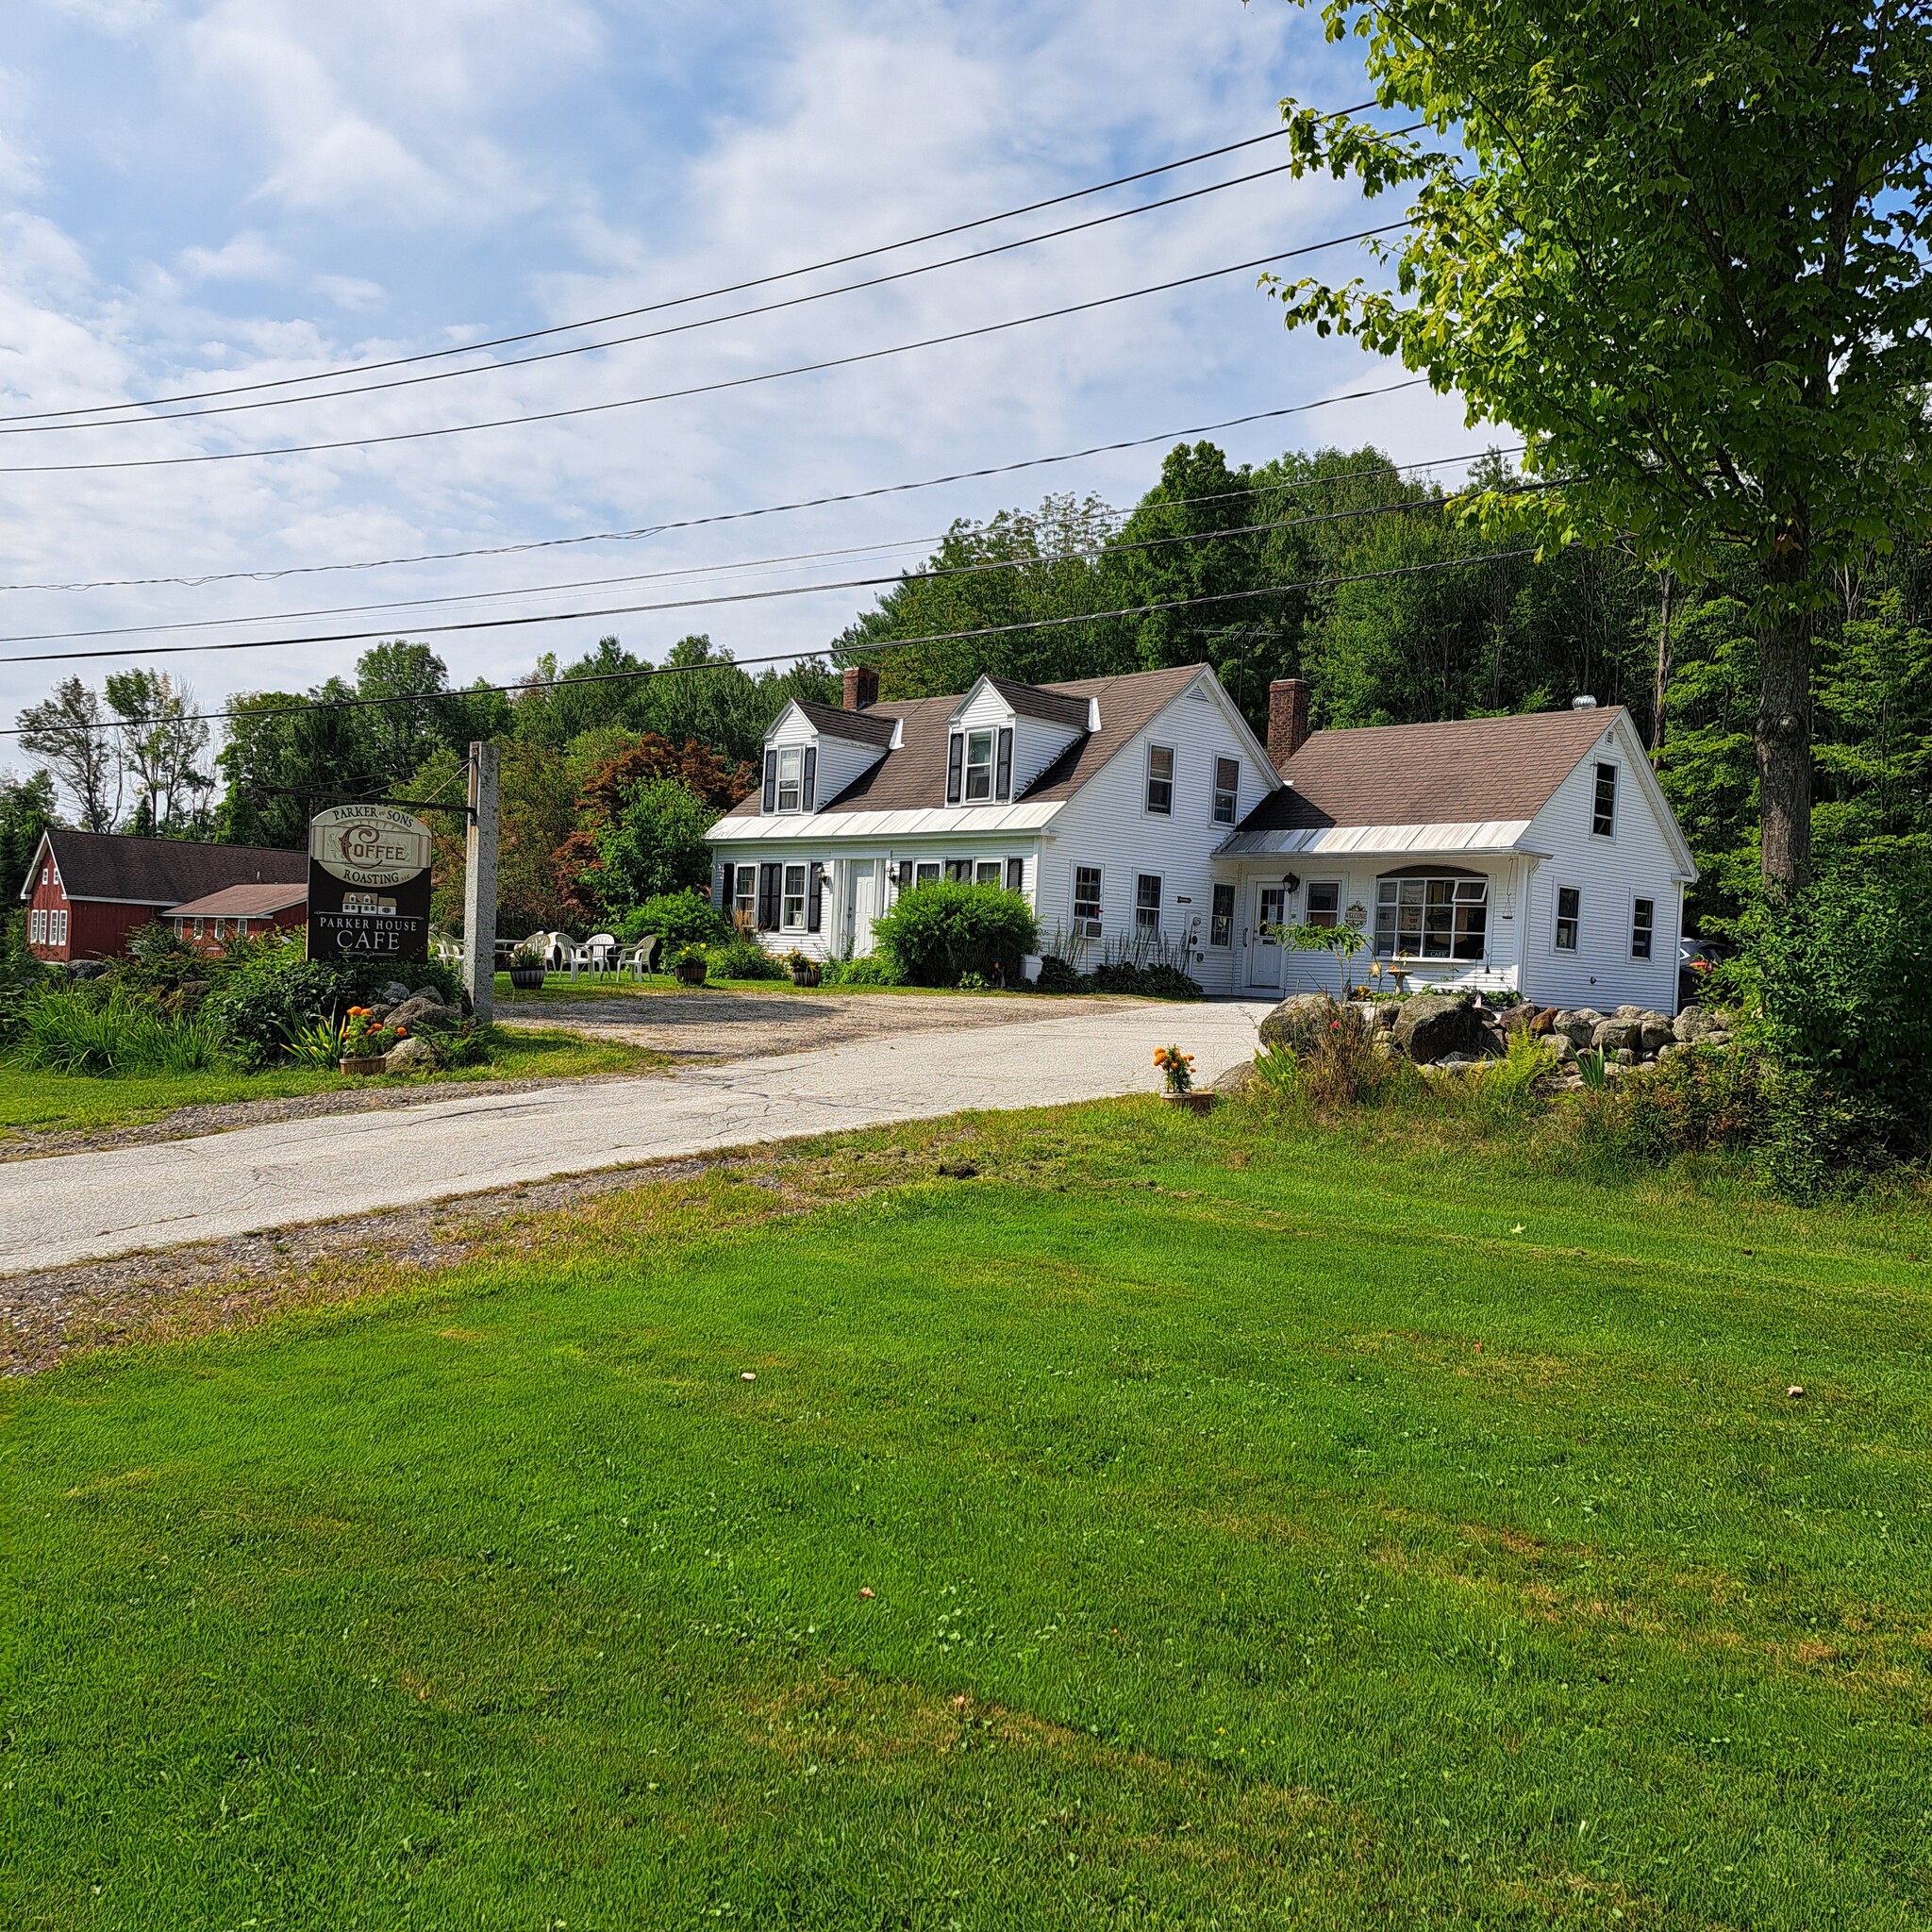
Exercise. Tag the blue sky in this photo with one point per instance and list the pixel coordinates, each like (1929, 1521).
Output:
(229, 192)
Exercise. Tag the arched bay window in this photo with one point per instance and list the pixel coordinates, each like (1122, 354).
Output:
(1432, 912)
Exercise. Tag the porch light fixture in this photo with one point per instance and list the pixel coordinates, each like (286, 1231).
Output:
(1289, 879)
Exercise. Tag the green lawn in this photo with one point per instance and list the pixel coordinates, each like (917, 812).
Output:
(39, 1100)
(1180, 1524)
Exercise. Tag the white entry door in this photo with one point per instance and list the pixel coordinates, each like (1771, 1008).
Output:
(1264, 948)
(861, 906)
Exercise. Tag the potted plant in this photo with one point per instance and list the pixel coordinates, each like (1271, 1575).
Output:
(365, 1040)
(526, 967)
(1178, 1070)
(690, 965)
(805, 969)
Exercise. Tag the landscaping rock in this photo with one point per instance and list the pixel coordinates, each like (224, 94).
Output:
(1296, 1023)
(1617, 1035)
(1565, 1049)
(1240, 1078)
(1435, 1024)
(1657, 1033)
(416, 1010)
(429, 993)
(1458, 1060)
(1578, 1023)
(411, 1055)
(396, 992)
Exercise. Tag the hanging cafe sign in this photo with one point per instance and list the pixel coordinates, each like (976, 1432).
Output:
(367, 884)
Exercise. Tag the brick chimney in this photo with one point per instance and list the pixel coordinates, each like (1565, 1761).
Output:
(861, 687)
(1287, 719)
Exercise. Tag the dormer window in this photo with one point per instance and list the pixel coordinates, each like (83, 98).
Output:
(791, 774)
(979, 766)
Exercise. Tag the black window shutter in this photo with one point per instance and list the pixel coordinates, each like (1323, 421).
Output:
(814, 886)
(724, 889)
(955, 765)
(1002, 776)
(811, 772)
(767, 898)
(771, 781)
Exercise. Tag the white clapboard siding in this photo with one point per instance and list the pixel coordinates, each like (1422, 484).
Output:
(1108, 824)
(1644, 857)
(841, 761)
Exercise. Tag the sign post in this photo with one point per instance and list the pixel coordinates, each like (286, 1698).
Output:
(368, 885)
(479, 883)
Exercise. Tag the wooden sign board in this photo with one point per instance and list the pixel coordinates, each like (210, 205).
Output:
(368, 885)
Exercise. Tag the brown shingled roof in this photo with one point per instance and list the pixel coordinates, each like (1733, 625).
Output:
(861, 727)
(1458, 772)
(164, 872)
(913, 778)
(1054, 705)
(243, 902)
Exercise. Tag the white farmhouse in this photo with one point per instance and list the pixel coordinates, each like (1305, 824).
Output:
(1531, 855)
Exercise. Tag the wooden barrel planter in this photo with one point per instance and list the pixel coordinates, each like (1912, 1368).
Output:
(363, 1065)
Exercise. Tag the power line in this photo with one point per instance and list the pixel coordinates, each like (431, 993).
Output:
(705, 388)
(646, 531)
(788, 658)
(680, 301)
(1111, 547)
(11, 426)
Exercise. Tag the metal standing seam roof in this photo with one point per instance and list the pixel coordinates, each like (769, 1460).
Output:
(115, 868)
(1465, 772)
(913, 777)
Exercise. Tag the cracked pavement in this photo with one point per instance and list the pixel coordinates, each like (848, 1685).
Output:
(73, 1208)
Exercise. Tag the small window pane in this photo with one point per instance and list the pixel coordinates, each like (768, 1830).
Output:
(794, 895)
(978, 764)
(744, 886)
(1643, 926)
(1220, 920)
(1147, 903)
(1325, 904)
(1568, 908)
(1087, 901)
(1227, 784)
(1603, 818)
(928, 872)
(1161, 780)
(987, 872)
(791, 770)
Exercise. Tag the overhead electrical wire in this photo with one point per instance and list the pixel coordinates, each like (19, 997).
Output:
(649, 671)
(1111, 548)
(101, 420)
(647, 530)
(693, 390)
(678, 301)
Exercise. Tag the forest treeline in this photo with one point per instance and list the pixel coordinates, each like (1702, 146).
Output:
(1337, 567)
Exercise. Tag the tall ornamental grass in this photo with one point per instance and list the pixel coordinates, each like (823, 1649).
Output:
(65, 1032)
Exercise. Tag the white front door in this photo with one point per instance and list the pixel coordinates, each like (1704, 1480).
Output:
(861, 906)
(1264, 948)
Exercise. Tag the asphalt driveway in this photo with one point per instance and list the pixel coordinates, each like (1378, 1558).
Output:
(77, 1206)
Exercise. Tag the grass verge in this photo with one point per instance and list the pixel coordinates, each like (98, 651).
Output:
(35, 1101)
(1148, 1522)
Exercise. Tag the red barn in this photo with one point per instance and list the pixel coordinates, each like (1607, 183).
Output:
(239, 913)
(86, 891)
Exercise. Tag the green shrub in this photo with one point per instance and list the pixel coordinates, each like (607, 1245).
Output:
(1057, 975)
(270, 993)
(743, 959)
(1162, 982)
(940, 931)
(873, 970)
(680, 919)
(69, 1032)
(1842, 979)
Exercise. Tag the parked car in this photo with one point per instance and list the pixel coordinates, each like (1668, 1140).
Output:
(1697, 959)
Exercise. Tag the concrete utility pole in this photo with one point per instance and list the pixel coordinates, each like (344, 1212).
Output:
(479, 883)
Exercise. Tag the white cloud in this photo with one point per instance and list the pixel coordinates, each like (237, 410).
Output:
(248, 258)
(117, 17)
(350, 292)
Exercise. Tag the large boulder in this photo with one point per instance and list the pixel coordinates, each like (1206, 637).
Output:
(1578, 1023)
(1239, 1079)
(411, 1056)
(1696, 1023)
(1435, 1024)
(1658, 1033)
(418, 1008)
(1298, 1022)
(1613, 1035)
(396, 992)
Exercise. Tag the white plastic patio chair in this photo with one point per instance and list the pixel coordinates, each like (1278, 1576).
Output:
(603, 950)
